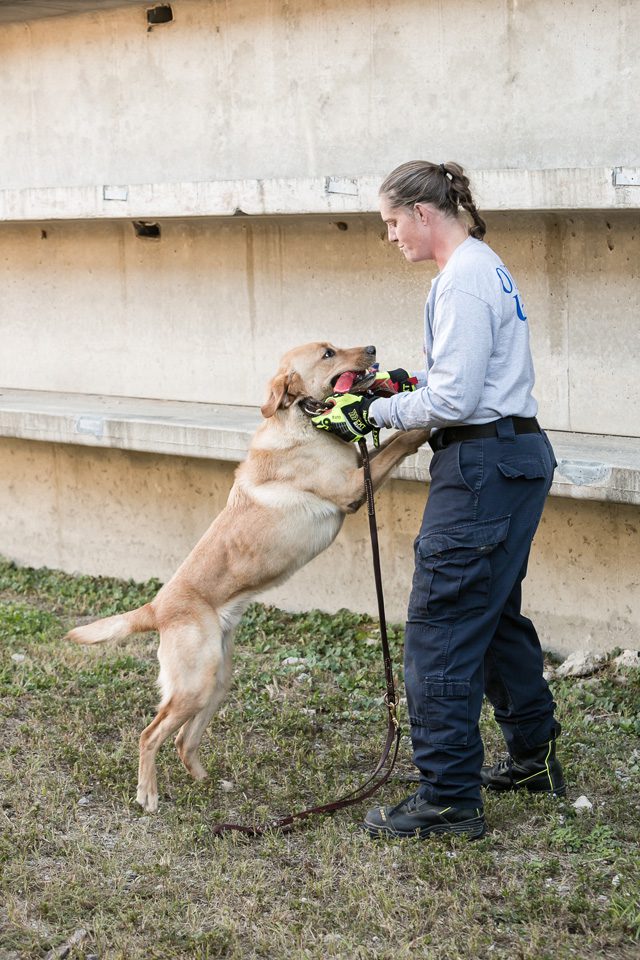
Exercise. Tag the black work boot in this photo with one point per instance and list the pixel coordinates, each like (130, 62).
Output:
(416, 817)
(537, 771)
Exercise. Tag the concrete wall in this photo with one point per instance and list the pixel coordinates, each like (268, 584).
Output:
(356, 87)
(292, 88)
(137, 515)
(204, 313)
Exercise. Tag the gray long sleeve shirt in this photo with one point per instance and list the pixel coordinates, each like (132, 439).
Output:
(479, 365)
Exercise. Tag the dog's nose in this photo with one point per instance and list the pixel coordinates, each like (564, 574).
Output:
(370, 350)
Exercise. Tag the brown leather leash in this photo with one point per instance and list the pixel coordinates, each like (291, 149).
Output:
(380, 775)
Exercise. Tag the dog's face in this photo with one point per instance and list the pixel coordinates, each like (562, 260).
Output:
(314, 369)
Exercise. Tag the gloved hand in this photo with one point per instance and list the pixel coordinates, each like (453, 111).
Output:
(393, 381)
(346, 416)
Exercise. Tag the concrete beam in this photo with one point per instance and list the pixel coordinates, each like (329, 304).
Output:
(594, 188)
(590, 466)
(12, 11)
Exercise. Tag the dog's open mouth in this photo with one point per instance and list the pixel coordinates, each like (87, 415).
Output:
(354, 381)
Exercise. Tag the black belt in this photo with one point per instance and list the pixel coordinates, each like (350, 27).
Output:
(478, 431)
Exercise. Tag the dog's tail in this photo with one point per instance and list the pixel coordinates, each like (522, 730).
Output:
(115, 628)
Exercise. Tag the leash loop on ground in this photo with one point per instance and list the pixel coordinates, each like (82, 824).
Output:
(392, 743)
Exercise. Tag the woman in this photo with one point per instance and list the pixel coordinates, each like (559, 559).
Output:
(490, 474)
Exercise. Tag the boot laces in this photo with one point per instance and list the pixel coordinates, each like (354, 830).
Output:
(504, 765)
(411, 804)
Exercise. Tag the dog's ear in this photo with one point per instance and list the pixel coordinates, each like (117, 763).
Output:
(277, 391)
(283, 390)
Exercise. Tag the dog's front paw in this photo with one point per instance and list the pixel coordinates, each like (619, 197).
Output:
(414, 439)
(147, 798)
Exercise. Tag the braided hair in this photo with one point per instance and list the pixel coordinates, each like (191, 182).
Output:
(444, 185)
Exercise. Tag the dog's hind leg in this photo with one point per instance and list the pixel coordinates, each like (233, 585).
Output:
(166, 721)
(190, 735)
(190, 656)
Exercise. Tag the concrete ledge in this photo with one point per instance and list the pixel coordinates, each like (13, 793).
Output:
(590, 466)
(594, 188)
(212, 431)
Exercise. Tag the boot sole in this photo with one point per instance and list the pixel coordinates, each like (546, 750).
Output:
(511, 788)
(474, 829)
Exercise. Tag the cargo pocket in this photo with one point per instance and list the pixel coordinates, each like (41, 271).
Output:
(525, 468)
(453, 570)
(447, 711)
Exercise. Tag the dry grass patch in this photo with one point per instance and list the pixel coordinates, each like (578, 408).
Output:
(77, 855)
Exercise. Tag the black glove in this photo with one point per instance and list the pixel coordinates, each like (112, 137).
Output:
(388, 382)
(346, 416)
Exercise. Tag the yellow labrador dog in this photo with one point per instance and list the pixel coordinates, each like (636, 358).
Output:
(286, 505)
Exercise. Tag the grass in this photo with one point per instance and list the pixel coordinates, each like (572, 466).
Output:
(77, 855)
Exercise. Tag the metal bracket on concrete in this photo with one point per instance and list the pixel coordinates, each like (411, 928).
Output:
(626, 176)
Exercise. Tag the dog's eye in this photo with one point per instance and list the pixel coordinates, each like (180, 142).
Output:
(328, 353)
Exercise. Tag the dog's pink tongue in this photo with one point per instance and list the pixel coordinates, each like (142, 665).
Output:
(345, 382)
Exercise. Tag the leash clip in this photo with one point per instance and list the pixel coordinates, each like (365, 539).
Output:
(392, 707)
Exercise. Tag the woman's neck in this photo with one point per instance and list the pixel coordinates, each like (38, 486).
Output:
(449, 241)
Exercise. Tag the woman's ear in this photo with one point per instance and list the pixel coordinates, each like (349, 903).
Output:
(421, 212)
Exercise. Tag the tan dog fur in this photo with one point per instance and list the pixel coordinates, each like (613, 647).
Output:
(287, 504)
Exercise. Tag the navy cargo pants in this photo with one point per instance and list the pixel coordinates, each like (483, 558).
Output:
(465, 634)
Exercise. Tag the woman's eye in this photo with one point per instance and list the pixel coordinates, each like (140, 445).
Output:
(328, 353)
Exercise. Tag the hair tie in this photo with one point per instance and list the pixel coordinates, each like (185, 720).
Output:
(444, 170)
